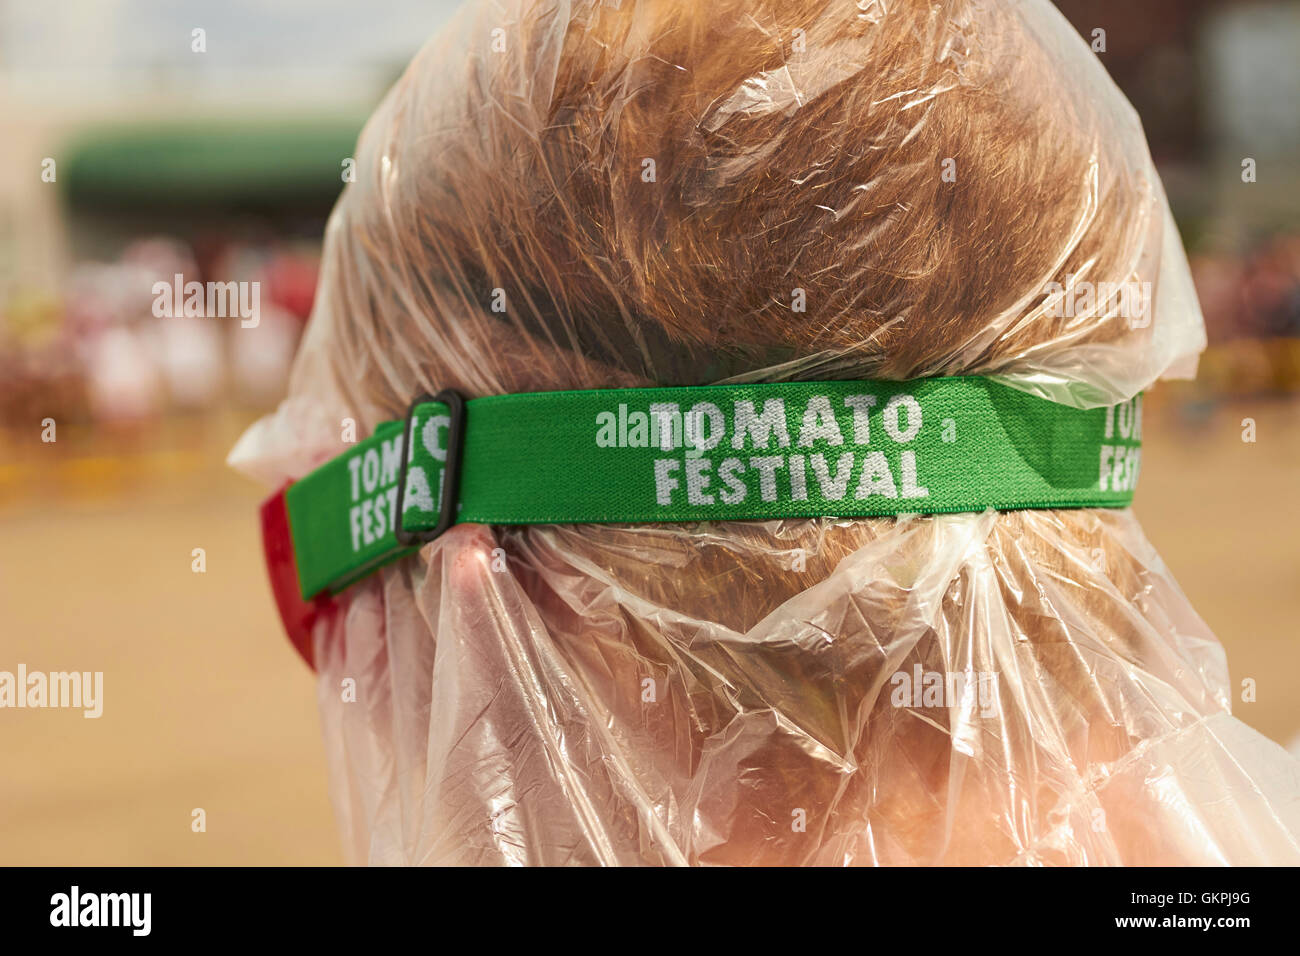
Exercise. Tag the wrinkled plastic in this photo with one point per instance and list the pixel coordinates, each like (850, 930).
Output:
(583, 194)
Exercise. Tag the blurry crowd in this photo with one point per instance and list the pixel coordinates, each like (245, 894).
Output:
(96, 352)
(1251, 303)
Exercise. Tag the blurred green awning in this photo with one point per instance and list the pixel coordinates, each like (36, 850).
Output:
(236, 165)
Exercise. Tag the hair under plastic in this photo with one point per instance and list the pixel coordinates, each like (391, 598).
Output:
(659, 192)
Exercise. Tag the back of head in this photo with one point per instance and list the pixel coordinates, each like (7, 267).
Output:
(585, 195)
(671, 193)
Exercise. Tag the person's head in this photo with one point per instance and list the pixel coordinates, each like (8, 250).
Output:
(678, 193)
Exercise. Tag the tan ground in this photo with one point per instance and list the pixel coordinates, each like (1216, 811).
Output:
(205, 703)
(207, 706)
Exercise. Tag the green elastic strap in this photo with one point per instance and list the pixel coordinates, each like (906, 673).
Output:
(712, 453)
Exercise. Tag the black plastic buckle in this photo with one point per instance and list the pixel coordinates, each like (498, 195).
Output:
(455, 403)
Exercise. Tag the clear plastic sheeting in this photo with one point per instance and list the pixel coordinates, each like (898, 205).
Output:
(594, 194)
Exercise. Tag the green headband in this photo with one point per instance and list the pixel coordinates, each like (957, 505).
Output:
(710, 453)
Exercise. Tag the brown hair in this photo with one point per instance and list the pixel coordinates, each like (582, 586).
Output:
(923, 203)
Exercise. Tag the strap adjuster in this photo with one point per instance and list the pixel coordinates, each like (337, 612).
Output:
(455, 403)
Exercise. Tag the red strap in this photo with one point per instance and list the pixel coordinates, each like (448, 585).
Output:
(298, 616)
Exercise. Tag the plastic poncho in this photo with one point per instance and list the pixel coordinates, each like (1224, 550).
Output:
(597, 194)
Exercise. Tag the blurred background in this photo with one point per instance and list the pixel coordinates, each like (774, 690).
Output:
(126, 155)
